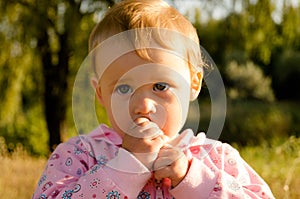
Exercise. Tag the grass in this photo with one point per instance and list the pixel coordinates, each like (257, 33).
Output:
(19, 174)
(278, 163)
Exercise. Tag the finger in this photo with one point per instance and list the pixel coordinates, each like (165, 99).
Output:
(161, 163)
(143, 145)
(166, 157)
(172, 153)
(160, 141)
(160, 174)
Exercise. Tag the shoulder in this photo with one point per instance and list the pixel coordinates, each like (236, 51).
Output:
(97, 146)
(83, 142)
(101, 132)
(203, 147)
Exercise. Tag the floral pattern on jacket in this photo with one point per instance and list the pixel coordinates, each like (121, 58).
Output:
(96, 166)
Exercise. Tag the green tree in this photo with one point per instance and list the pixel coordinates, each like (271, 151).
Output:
(56, 31)
(16, 80)
(248, 82)
(290, 27)
(285, 61)
(250, 33)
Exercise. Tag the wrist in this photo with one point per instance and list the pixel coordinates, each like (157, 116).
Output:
(177, 180)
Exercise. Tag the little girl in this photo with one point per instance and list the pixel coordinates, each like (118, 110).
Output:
(147, 64)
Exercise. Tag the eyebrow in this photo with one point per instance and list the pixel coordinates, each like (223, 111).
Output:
(118, 81)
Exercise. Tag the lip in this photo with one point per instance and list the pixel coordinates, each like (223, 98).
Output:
(143, 127)
(142, 121)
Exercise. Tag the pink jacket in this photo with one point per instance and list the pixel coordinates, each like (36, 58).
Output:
(95, 166)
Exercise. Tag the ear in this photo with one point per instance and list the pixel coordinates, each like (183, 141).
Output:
(196, 83)
(95, 85)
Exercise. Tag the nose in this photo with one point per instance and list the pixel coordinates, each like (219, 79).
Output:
(142, 103)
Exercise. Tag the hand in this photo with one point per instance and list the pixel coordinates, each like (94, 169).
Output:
(143, 145)
(144, 149)
(171, 163)
(146, 138)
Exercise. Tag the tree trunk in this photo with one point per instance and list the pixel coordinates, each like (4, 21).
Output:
(55, 86)
(55, 75)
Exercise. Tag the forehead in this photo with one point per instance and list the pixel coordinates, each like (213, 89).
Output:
(160, 60)
(109, 50)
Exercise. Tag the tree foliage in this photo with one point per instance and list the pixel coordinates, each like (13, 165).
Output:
(44, 42)
(252, 34)
(248, 82)
(53, 30)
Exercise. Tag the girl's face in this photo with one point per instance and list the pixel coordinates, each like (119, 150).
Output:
(136, 92)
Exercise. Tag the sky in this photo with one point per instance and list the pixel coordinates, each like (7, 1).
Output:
(220, 9)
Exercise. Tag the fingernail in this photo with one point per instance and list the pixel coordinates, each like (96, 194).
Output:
(165, 138)
(168, 145)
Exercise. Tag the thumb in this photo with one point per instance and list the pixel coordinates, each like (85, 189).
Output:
(165, 139)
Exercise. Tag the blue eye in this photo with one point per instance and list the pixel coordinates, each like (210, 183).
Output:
(161, 86)
(124, 89)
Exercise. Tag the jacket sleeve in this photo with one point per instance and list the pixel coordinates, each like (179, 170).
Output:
(73, 172)
(222, 173)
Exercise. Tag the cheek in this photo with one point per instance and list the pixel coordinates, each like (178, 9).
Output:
(174, 120)
(114, 124)
(172, 126)
(107, 104)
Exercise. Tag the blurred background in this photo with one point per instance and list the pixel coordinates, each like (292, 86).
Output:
(254, 43)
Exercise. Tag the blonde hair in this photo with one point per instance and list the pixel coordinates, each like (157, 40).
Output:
(143, 14)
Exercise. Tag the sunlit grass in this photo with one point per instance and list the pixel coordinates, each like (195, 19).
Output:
(278, 163)
(19, 174)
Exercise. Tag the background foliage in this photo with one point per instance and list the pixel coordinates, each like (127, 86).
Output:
(256, 49)
(255, 44)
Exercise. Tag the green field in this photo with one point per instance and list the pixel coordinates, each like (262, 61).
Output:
(278, 163)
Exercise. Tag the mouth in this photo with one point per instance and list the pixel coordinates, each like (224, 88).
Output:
(143, 127)
(142, 121)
